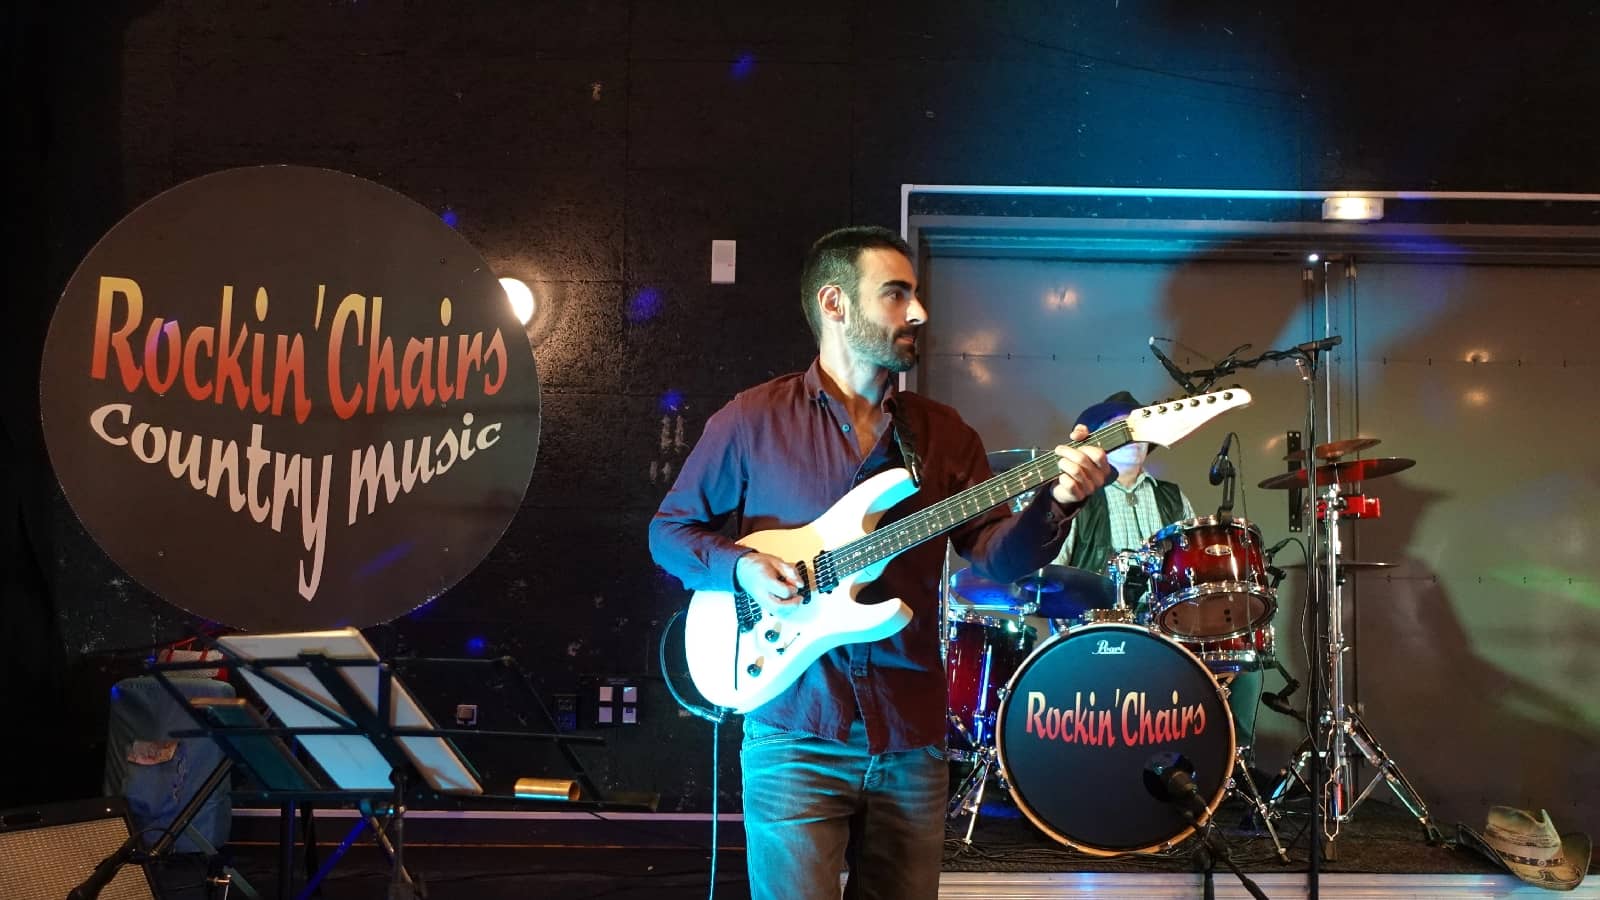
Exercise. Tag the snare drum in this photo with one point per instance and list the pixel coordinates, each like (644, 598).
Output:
(983, 651)
(1084, 718)
(1211, 583)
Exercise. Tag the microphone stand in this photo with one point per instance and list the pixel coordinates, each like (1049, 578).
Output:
(1220, 848)
(1213, 847)
(1306, 353)
(1306, 357)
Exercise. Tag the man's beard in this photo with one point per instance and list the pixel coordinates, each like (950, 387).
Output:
(881, 348)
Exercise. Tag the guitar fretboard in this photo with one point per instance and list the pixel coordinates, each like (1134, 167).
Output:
(941, 517)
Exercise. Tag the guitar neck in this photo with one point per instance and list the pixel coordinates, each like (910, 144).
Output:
(893, 539)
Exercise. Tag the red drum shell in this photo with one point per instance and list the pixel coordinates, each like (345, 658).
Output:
(1212, 582)
(1244, 653)
(983, 652)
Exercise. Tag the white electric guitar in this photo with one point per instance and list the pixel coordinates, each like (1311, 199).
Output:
(741, 657)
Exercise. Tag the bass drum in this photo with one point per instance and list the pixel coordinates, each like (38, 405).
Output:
(1085, 716)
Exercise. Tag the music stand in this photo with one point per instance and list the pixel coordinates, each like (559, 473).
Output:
(374, 744)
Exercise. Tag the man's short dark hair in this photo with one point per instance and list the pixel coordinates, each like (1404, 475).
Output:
(833, 260)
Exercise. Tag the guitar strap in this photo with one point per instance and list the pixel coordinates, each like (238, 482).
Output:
(906, 440)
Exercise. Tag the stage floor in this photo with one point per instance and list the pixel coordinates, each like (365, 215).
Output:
(553, 856)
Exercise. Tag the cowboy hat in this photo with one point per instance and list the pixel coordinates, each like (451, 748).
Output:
(1528, 847)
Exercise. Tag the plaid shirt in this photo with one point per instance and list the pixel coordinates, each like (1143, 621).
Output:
(1133, 514)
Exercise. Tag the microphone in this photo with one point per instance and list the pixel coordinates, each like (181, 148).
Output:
(1172, 369)
(1278, 702)
(1315, 346)
(1221, 465)
(1272, 551)
(1169, 777)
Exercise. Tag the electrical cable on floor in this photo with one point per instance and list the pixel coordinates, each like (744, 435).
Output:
(714, 715)
(716, 774)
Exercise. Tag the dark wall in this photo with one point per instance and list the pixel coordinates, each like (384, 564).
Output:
(596, 149)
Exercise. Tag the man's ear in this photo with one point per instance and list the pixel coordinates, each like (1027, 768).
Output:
(831, 300)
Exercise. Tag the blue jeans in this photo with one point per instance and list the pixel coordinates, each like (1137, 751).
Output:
(814, 807)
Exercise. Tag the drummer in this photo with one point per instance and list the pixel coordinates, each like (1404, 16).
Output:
(1124, 513)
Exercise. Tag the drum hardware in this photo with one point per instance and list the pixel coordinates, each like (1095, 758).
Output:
(1329, 780)
(1356, 506)
(1345, 564)
(968, 797)
(1340, 726)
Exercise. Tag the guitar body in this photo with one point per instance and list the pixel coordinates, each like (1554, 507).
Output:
(721, 656)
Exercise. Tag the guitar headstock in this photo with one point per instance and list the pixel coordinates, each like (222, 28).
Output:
(1170, 422)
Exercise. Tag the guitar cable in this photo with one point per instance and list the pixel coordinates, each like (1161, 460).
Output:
(714, 715)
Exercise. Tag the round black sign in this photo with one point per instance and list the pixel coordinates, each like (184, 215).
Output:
(287, 398)
(1085, 718)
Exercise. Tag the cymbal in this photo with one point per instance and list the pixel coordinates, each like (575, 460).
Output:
(1348, 564)
(982, 593)
(1342, 472)
(1065, 592)
(1335, 449)
(1056, 592)
(1006, 460)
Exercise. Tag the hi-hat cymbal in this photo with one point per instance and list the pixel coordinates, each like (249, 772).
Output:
(1335, 449)
(1348, 564)
(1006, 460)
(1065, 592)
(1342, 472)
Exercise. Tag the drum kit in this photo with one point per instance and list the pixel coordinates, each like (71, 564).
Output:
(1070, 726)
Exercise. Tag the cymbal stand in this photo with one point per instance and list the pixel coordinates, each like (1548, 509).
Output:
(1342, 727)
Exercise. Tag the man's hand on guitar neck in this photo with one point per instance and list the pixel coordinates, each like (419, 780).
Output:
(770, 581)
(1083, 470)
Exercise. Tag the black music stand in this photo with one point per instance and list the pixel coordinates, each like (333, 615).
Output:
(377, 750)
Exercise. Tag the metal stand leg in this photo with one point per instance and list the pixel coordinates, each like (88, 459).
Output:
(1390, 771)
(1253, 797)
(1290, 776)
(1354, 730)
(968, 798)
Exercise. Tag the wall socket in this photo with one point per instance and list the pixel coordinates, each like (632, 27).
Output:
(609, 701)
(466, 715)
(566, 711)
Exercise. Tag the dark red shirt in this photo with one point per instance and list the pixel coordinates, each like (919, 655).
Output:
(778, 456)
